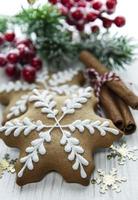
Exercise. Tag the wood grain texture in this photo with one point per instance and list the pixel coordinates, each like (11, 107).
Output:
(53, 187)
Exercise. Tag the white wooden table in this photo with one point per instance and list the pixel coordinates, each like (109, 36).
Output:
(53, 186)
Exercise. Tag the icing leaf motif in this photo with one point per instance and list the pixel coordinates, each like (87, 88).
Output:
(16, 86)
(45, 101)
(63, 76)
(75, 150)
(76, 102)
(65, 89)
(19, 107)
(37, 148)
(17, 127)
(103, 128)
(42, 77)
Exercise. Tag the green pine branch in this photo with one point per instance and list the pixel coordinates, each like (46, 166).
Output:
(113, 51)
(3, 23)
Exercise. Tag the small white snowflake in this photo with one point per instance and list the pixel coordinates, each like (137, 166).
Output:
(109, 181)
(123, 152)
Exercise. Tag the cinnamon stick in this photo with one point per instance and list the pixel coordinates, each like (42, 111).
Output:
(129, 122)
(110, 108)
(117, 86)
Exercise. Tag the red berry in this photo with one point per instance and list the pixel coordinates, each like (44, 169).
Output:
(81, 4)
(97, 5)
(64, 2)
(80, 27)
(9, 36)
(119, 21)
(63, 10)
(22, 50)
(1, 39)
(53, 1)
(91, 17)
(70, 21)
(3, 60)
(77, 15)
(69, 5)
(29, 74)
(17, 73)
(111, 4)
(10, 70)
(36, 63)
(13, 57)
(26, 42)
(107, 23)
(95, 29)
(29, 55)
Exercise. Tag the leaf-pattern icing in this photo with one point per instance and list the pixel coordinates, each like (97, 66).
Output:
(17, 127)
(52, 83)
(91, 126)
(16, 86)
(19, 107)
(44, 100)
(63, 77)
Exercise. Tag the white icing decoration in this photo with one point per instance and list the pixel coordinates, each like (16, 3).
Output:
(91, 125)
(44, 100)
(37, 147)
(54, 82)
(17, 127)
(75, 150)
(63, 77)
(16, 86)
(19, 107)
(77, 100)
(42, 78)
(65, 89)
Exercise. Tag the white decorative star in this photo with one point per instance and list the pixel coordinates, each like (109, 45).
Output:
(109, 181)
(123, 152)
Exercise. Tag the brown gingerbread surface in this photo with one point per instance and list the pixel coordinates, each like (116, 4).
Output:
(54, 130)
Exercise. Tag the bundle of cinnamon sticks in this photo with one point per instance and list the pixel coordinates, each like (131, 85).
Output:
(115, 97)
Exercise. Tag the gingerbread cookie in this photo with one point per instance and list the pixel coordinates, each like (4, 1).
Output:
(54, 132)
(63, 82)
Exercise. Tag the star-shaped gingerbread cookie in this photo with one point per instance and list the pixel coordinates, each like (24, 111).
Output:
(55, 132)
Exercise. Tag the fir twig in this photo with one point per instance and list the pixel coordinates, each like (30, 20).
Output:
(113, 51)
(3, 23)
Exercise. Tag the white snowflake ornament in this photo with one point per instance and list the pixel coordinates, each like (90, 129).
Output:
(123, 152)
(109, 181)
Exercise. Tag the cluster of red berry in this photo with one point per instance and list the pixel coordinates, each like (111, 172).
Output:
(81, 12)
(18, 57)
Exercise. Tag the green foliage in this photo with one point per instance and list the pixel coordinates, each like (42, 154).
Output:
(54, 44)
(39, 19)
(3, 24)
(113, 51)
